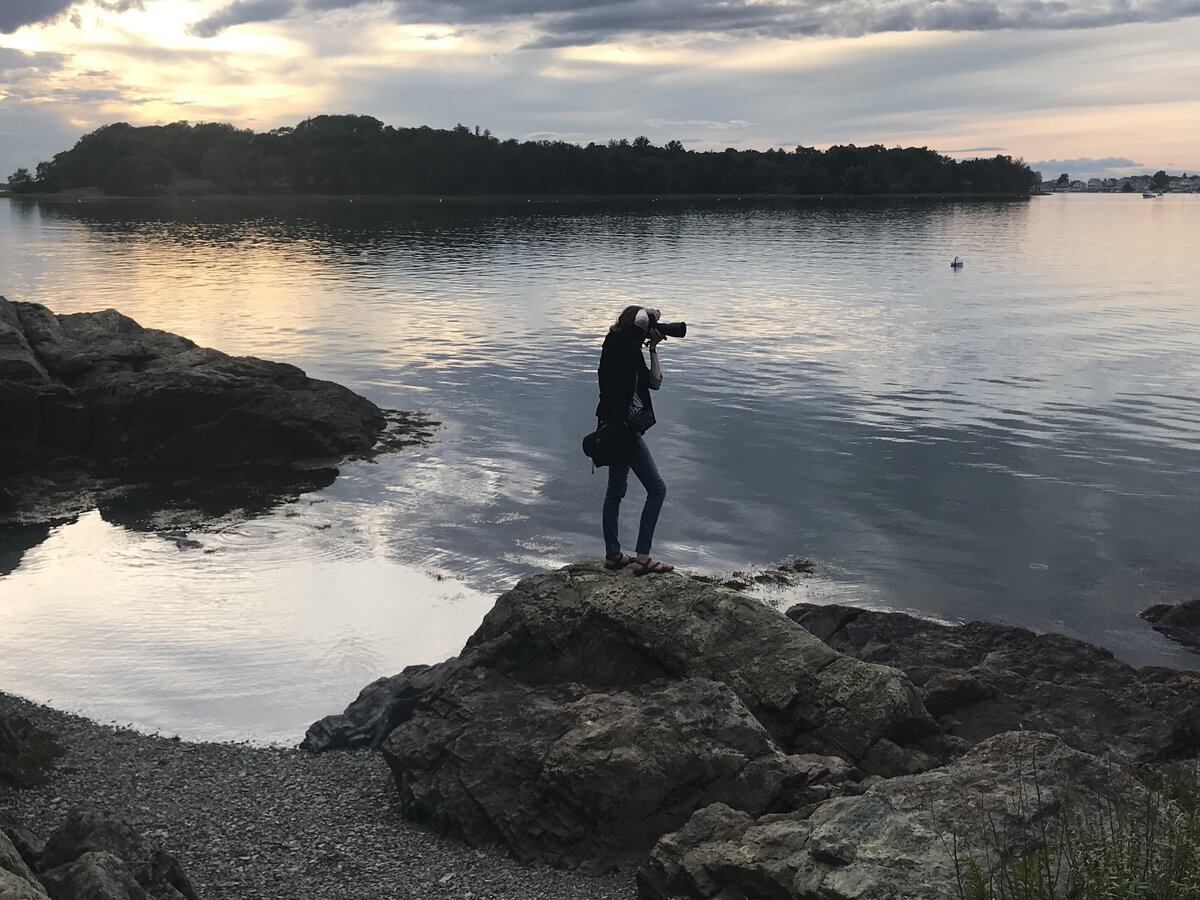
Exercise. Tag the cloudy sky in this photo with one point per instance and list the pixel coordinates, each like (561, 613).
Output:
(1090, 87)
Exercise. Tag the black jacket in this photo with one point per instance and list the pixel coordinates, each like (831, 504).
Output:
(622, 372)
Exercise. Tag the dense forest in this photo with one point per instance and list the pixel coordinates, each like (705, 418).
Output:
(361, 155)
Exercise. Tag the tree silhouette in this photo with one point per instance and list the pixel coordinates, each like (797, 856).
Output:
(21, 182)
(353, 154)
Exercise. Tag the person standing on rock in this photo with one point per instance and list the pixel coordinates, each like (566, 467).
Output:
(625, 385)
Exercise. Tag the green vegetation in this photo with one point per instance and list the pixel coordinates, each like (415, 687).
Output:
(1146, 849)
(360, 155)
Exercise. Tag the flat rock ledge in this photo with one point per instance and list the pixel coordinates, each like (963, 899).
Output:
(669, 726)
(98, 394)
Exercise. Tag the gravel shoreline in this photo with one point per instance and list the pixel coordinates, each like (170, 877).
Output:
(255, 823)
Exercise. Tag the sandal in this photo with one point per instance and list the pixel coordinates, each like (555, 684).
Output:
(650, 565)
(619, 561)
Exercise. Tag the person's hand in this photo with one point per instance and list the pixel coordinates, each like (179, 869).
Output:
(656, 337)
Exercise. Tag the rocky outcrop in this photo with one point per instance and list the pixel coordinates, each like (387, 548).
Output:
(1180, 622)
(97, 409)
(583, 624)
(908, 837)
(100, 413)
(92, 856)
(591, 779)
(982, 679)
(16, 878)
(593, 711)
(99, 387)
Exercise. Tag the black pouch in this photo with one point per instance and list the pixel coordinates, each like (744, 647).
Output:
(612, 442)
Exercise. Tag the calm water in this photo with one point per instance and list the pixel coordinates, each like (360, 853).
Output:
(1017, 440)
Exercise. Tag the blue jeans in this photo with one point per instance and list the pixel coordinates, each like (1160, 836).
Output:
(618, 480)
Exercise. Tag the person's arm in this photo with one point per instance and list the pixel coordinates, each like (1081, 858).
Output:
(655, 368)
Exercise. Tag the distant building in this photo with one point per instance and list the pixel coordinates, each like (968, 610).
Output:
(1178, 184)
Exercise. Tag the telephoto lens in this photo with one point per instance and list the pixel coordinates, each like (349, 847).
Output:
(671, 329)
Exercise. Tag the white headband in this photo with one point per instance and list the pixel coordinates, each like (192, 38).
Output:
(642, 319)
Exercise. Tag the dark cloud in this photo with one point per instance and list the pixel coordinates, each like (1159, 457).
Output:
(13, 62)
(976, 150)
(15, 14)
(241, 12)
(1084, 162)
(581, 22)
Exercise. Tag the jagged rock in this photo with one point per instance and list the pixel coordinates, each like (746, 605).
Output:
(16, 878)
(1179, 622)
(583, 623)
(13, 887)
(593, 711)
(379, 707)
(88, 833)
(96, 875)
(101, 387)
(98, 410)
(982, 679)
(906, 837)
(17, 361)
(26, 843)
(589, 778)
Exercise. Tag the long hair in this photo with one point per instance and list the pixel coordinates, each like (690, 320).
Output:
(623, 328)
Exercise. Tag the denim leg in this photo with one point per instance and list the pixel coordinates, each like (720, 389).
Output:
(618, 481)
(656, 492)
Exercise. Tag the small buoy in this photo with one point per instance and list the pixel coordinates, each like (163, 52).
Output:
(957, 264)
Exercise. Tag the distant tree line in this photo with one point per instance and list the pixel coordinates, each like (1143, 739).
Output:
(349, 154)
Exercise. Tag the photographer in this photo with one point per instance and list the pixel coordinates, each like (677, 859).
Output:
(625, 385)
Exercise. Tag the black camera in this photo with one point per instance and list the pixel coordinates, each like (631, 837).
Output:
(669, 329)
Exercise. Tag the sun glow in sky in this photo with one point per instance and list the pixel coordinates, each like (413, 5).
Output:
(1095, 88)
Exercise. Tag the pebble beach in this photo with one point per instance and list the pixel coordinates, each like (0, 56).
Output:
(270, 823)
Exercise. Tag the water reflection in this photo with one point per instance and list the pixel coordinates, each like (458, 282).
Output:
(1015, 441)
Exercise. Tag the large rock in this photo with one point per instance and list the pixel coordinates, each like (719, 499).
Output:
(982, 679)
(589, 778)
(95, 875)
(908, 837)
(1180, 622)
(16, 878)
(593, 711)
(93, 847)
(583, 623)
(99, 388)
(13, 887)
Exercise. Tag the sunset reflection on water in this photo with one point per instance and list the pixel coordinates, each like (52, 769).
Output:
(1016, 440)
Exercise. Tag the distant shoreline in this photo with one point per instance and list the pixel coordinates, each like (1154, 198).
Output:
(89, 196)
